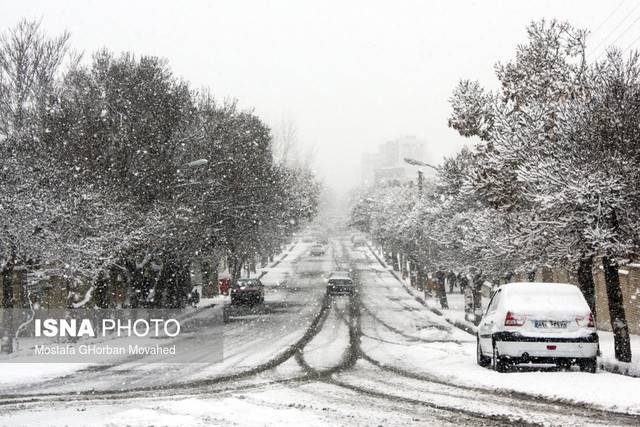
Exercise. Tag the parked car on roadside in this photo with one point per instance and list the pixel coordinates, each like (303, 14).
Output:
(247, 291)
(340, 285)
(537, 323)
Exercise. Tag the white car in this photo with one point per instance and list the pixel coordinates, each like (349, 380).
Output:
(537, 323)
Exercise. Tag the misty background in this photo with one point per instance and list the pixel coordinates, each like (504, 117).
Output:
(340, 78)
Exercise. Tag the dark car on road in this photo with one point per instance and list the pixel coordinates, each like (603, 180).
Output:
(317, 250)
(340, 285)
(247, 291)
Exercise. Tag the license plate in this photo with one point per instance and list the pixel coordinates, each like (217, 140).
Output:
(554, 324)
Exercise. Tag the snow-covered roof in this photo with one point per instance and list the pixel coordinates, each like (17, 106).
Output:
(543, 297)
(340, 277)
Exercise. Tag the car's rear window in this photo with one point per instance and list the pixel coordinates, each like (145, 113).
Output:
(246, 283)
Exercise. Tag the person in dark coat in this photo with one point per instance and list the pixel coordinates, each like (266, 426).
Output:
(463, 281)
(451, 279)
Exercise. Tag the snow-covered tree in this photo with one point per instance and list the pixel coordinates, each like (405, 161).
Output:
(558, 161)
(123, 166)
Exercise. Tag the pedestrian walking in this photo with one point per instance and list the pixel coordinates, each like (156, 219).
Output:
(463, 281)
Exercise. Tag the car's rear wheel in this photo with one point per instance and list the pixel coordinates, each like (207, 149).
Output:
(589, 365)
(498, 363)
(482, 360)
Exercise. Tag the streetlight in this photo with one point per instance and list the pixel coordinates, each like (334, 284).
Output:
(414, 162)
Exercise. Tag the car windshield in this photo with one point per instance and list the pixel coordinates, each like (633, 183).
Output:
(246, 283)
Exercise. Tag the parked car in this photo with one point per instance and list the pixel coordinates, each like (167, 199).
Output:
(537, 323)
(340, 285)
(317, 250)
(247, 291)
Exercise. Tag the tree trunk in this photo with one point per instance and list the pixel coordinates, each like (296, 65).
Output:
(7, 303)
(531, 276)
(441, 290)
(586, 283)
(617, 315)
(477, 305)
(7, 287)
(442, 295)
(394, 259)
(476, 290)
(420, 276)
(235, 268)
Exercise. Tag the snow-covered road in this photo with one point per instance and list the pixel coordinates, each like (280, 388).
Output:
(378, 358)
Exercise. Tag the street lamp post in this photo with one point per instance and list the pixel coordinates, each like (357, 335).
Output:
(414, 162)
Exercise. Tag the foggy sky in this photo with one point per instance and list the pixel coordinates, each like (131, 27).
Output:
(347, 75)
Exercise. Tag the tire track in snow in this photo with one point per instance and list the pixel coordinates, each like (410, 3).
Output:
(353, 353)
(314, 328)
(542, 403)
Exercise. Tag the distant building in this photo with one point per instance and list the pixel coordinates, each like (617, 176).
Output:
(388, 162)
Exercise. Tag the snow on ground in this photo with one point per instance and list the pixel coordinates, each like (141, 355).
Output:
(306, 404)
(280, 271)
(456, 361)
(608, 360)
(254, 337)
(23, 373)
(217, 300)
(327, 348)
(455, 314)
(17, 372)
